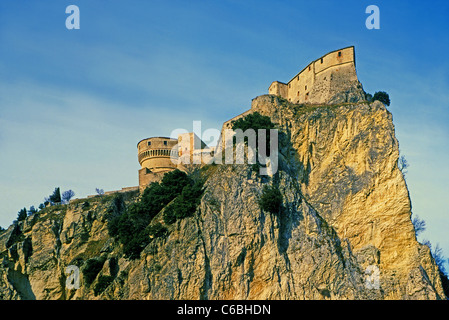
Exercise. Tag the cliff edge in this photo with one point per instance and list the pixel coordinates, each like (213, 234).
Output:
(343, 230)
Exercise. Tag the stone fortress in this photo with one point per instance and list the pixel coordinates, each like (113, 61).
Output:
(330, 79)
(158, 155)
(327, 80)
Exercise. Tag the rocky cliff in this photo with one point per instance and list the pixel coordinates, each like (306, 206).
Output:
(343, 230)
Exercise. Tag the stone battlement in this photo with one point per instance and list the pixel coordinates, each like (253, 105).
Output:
(329, 79)
(158, 155)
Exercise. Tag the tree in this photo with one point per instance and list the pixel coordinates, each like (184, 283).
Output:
(383, 97)
(102, 283)
(91, 269)
(419, 224)
(22, 214)
(130, 225)
(67, 195)
(185, 204)
(55, 197)
(255, 121)
(403, 164)
(41, 206)
(271, 199)
(32, 210)
(100, 192)
(437, 254)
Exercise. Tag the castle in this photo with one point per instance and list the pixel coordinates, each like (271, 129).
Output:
(330, 79)
(158, 155)
(327, 80)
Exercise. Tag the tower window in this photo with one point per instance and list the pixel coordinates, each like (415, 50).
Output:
(321, 60)
(309, 68)
(339, 53)
(149, 143)
(305, 88)
(165, 143)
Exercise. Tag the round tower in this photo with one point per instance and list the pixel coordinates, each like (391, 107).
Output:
(156, 154)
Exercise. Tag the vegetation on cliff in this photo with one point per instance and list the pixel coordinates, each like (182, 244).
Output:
(337, 207)
(381, 96)
(271, 199)
(132, 225)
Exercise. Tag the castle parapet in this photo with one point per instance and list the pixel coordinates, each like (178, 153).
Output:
(329, 79)
(157, 153)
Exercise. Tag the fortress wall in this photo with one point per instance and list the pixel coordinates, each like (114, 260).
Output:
(333, 84)
(333, 59)
(314, 83)
(146, 177)
(185, 143)
(278, 88)
(155, 153)
(158, 163)
(301, 84)
(156, 143)
(228, 124)
(321, 89)
(189, 142)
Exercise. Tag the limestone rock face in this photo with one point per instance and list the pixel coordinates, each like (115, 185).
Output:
(347, 158)
(343, 230)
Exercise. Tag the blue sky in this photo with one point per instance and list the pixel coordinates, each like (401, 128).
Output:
(74, 103)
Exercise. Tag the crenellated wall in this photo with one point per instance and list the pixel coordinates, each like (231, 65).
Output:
(156, 156)
(157, 153)
(321, 80)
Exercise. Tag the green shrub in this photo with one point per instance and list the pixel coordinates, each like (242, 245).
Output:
(129, 226)
(170, 214)
(255, 167)
(55, 197)
(102, 283)
(445, 282)
(91, 269)
(185, 204)
(255, 121)
(271, 199)
(22, 214)
(85, 205)
(382, 96)
(156, 230)
(27, 248)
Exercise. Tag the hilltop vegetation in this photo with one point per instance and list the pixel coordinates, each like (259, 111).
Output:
(133, 226)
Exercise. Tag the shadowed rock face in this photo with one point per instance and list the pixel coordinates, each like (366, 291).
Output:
(345, 216)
